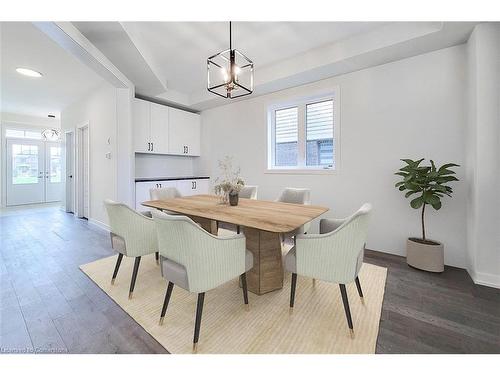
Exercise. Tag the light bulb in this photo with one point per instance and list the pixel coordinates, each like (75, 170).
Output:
(225, 76)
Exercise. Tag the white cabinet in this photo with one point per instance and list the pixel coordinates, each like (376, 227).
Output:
(185, 187)
(142, 194)
(184, 133)
(193, 187)
(150, 122)
(141, 122)
(159, 129)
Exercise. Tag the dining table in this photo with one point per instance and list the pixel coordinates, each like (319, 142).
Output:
(264, 224)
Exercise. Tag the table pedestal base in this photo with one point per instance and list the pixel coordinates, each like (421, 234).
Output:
(267, 272)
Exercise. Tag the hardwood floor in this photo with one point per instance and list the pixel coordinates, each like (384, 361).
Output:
(48, 305)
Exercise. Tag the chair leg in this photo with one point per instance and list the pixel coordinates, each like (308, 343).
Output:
(117, 267)
(360, 291)
(292, 290)
(134, 276)
(199, 311)
(165, 302)
(157, 257)
(314, 283)
(237, 229)
(345, 300)
(243, 278)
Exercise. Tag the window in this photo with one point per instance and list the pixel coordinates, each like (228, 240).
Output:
(24, 164)
(302, 136)
(286, 135)
(18, 133)
(55, 164)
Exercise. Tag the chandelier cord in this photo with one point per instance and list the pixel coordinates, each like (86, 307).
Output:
(230, 37)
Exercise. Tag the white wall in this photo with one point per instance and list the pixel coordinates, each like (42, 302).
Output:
(147, 165)
(483, 155)
(99, 110)
(411, 108)
(19, 121)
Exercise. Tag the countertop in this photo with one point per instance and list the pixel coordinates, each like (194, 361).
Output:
(148, 179)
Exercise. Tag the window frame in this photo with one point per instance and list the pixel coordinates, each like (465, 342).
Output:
(301, 104)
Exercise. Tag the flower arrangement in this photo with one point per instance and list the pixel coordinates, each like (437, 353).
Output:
(229, 182)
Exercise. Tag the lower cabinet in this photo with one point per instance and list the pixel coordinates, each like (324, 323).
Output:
(185, 187)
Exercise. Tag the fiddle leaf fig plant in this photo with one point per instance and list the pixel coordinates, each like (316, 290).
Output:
(425, 185)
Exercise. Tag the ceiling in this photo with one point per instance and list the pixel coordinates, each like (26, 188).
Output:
(64, 80)
(166, 61)
(180, 49)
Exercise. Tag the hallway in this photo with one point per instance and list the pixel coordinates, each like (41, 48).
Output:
(47, 304)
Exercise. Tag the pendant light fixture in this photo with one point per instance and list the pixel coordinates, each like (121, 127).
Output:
(230, 72)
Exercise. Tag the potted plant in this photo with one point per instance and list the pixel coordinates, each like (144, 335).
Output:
(425, 185)
(229, 183)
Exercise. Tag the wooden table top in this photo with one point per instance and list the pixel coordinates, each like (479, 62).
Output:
(270, 216)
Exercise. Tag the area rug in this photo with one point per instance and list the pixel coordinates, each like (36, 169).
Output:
(316, 325)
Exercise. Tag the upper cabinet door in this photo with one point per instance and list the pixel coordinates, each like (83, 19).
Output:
(141, 122)
(184, 133)
(159, 128)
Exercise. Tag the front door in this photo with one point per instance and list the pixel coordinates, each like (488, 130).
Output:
(34, 172)
(25, 172)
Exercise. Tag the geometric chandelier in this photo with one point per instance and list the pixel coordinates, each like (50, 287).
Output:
(230, 73)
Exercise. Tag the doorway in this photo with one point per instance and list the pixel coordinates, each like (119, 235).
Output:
(34, 171)
(82, 172)
(70, 171)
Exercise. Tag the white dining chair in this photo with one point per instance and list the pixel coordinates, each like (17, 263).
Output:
(198, 261)
(163, 193)
(133, 234)
(297, 196)
(248, 192)
(335, 255)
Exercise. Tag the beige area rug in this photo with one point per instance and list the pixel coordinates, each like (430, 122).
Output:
(316, 325)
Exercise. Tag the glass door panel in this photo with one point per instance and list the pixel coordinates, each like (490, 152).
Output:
(25, 172)
(53, 176)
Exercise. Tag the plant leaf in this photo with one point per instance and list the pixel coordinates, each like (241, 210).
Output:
(436, 205)
(417, 202)
(410, 193)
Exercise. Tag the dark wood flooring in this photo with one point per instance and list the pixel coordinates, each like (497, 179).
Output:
(49, 306)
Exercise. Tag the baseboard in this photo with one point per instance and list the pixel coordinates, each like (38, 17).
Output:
(486, 279)
(99, 225)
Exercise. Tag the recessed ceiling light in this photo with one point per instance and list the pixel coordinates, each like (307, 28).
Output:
(29, 72)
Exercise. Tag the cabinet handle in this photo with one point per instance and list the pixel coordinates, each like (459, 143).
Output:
(187, 151)
(193, 185)
(152, 146)
(149, 146)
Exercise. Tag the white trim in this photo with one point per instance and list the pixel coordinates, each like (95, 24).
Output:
(79, 203)
(300, 103)
(70, 197)
(486, 279)
(99, 225)
(69, 38)
(328, 171)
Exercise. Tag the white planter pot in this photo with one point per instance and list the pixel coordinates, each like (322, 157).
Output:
(425, 256)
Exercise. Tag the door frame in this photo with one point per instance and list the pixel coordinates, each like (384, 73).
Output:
(79, 169)
(69, 160)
